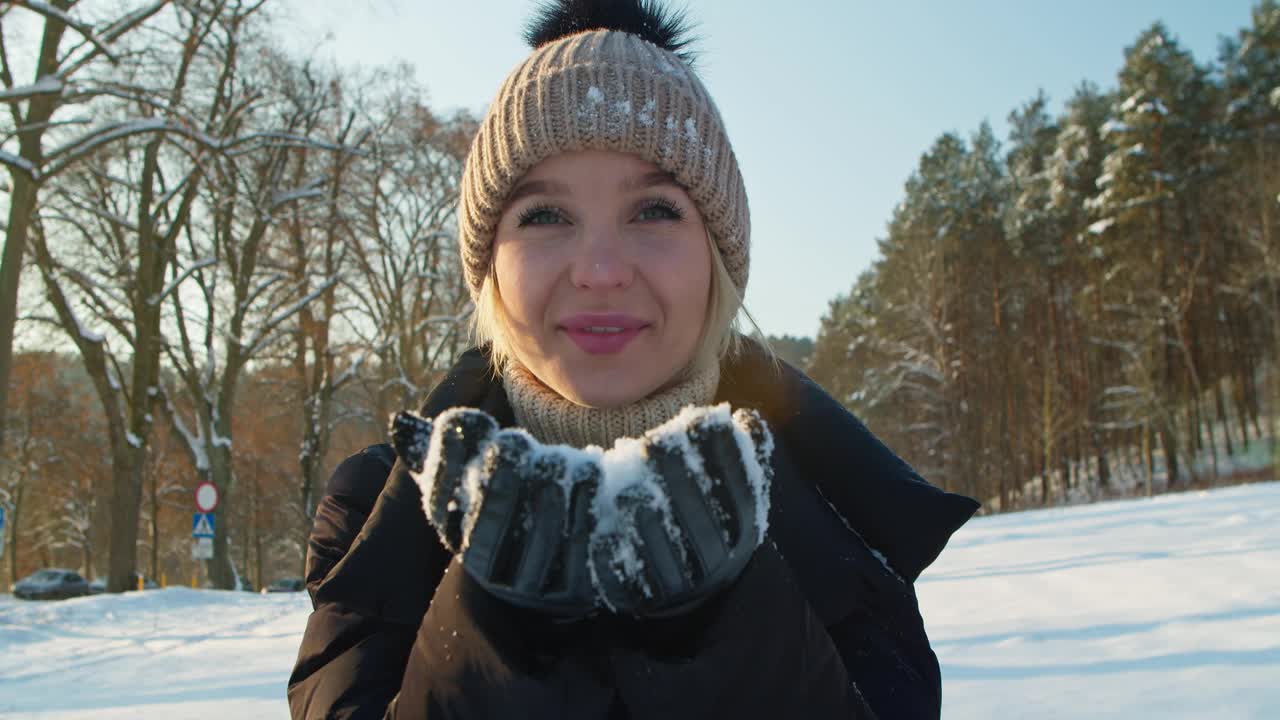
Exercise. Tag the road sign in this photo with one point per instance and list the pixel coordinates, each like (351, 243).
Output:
(202, 548)
(202, 525)
(206, 497)
(1, 532)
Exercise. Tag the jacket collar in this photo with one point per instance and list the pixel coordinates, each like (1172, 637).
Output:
(882, 498)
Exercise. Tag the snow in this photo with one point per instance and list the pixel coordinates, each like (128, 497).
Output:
(194, 441)
(1101, 226)
(645, 116)
(85, 30)
(1166, 607)
(1236, 106)
(690, 130)
(310, 190)
(626, 480)
(1113, 126)
(174, 653)
(1154, 107)
(435, 455)
(173, 284)
(88, 335)
(260, 338)
(46, 85)
(19, 162)
(107, 133)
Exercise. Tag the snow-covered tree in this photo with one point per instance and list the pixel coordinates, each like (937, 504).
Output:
(106, 242)
(45, 131)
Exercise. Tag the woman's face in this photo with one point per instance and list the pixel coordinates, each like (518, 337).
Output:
(604, 271)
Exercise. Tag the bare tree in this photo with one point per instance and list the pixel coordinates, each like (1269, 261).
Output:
(107, 250)
(410, 301)
(64, 78)
(386, 227)
(246, 294)
(37, 404)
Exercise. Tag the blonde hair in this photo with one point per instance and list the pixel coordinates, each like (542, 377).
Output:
(719, 341)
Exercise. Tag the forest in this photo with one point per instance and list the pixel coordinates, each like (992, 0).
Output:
(1090, 308)
(225, 263)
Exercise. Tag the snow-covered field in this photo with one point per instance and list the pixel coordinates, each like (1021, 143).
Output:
(1164, 608)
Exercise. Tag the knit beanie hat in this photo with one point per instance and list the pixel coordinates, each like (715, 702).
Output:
(604, 75)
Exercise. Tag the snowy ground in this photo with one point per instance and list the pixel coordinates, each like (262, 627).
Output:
(1164, 608)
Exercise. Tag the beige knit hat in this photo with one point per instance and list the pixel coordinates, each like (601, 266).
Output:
(603, 90)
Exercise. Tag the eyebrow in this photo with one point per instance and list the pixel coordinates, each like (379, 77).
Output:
(537, 187)
(648, 180)
(551, 187)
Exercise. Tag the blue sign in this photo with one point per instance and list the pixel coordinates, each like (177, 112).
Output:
(1, 518)
(202, 525)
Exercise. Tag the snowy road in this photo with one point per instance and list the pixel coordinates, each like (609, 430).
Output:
(1164, 608)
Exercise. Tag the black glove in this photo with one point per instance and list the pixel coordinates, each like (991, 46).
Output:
(517, 512)
(540, 526)
(674, 533)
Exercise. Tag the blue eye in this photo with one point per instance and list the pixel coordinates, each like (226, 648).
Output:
(540, 215)
(660, 209)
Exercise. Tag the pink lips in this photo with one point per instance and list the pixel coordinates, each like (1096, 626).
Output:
(602, 333)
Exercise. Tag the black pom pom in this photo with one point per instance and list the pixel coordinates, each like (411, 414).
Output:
(647, 19)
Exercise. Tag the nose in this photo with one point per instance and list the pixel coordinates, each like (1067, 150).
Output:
(600, 264)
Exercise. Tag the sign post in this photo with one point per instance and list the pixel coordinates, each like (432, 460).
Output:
(202, 522)
(206, 497)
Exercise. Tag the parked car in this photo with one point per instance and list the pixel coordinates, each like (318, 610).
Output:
(286, 585)
(100, 585)
(51, 584)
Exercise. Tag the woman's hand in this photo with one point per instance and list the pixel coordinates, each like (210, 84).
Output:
(680, 527)
(653, 527)
(516, 511)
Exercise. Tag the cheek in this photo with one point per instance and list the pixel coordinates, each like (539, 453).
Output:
(685, 282)
(524, 284)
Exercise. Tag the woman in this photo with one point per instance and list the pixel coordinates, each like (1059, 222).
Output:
(604, 233)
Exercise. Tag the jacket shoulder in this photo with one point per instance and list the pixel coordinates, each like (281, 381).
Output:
(877, 493)
(360, 476)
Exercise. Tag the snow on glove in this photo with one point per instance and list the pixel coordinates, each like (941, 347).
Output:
(681, 511)
(515, 510)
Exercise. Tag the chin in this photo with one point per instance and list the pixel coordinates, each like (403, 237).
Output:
(604, 394)
(606, 387)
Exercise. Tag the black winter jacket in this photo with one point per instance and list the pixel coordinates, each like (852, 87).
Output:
(819, 625)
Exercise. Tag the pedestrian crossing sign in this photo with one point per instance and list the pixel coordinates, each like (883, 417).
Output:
(202, 525)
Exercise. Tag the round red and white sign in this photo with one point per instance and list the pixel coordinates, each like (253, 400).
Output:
(206, 497)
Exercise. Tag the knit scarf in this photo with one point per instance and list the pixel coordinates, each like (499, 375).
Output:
(553, 419)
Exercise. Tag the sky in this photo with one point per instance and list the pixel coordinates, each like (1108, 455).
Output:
(828, 103)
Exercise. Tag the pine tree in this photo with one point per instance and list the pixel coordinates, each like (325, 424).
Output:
(1251, 198)
(1149, 230)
